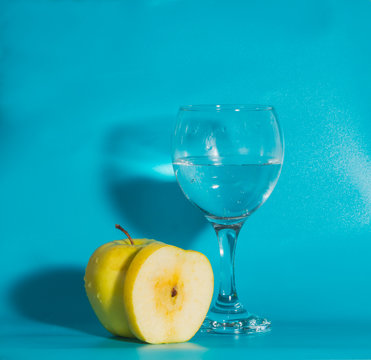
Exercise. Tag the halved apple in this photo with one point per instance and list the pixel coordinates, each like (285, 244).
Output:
(167, 293)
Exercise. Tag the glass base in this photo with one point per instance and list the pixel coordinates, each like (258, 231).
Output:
(251, 324)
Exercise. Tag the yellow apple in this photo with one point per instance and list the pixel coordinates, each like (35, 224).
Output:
(156, 292)
(104, 282)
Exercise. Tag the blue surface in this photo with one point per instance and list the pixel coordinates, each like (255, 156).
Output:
(30, 341)
(89, 92)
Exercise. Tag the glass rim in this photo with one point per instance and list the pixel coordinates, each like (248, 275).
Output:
(226, 107)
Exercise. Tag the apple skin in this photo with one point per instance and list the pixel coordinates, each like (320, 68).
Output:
(104, 282)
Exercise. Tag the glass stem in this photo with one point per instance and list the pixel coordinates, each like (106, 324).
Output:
(227, 301)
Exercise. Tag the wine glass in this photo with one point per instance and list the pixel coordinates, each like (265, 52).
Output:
(227, 160)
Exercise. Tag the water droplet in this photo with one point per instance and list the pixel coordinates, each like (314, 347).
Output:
(96, 260)
(208, 147)
(99, 297)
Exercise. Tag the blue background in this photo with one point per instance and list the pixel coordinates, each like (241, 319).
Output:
(89, 92)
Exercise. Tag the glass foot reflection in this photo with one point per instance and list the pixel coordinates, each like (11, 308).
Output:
(246, 325)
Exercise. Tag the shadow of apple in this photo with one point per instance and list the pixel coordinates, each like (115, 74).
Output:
(158, 209)
(56, 296)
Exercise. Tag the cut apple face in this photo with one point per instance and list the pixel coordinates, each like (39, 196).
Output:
(167, 293)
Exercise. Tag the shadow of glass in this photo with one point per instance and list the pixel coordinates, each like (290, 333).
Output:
(56, 296)
(140, 182)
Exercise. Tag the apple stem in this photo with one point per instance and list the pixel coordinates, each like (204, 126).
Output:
(125, 232)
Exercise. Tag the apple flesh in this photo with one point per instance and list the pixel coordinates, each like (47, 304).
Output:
(167, 293)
